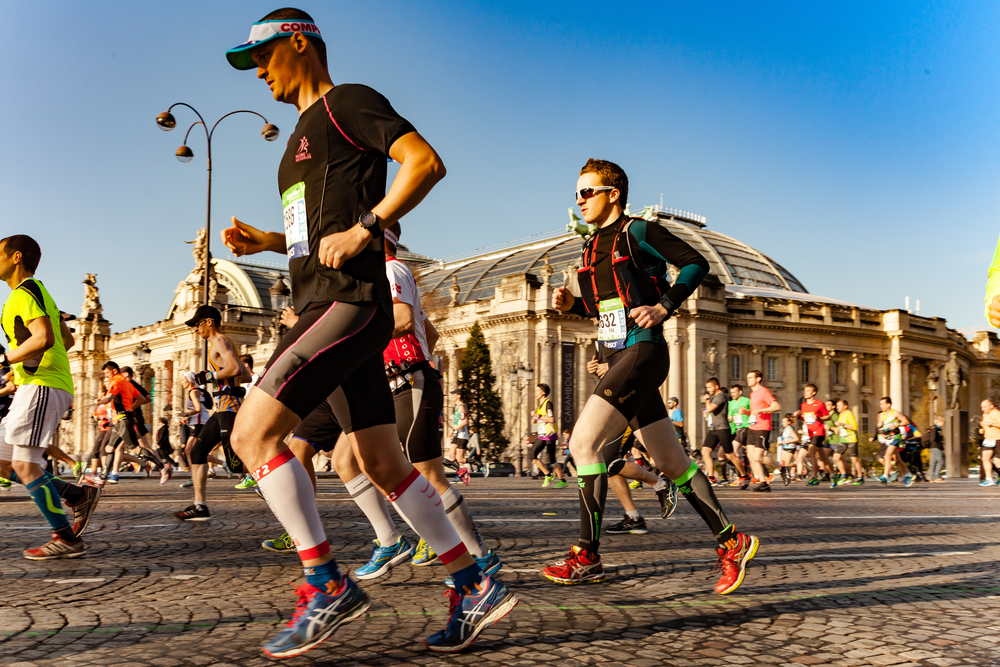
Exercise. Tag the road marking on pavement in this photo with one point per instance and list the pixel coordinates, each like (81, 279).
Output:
(95, 580)
(913, 516)
(903, 554)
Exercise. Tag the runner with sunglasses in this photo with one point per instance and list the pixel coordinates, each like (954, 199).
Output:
(332, 181)
(622, 285)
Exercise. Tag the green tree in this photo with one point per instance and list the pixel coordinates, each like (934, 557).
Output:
(482, 401)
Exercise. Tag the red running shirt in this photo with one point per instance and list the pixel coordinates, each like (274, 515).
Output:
(813, 414)
(760, 398)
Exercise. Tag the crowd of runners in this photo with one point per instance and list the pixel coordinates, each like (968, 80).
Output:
(352, 378)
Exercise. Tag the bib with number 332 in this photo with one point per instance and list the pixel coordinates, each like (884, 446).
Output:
(611, 325)
(293, 206)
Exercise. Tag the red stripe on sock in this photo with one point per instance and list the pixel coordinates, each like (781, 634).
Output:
(316, 551)
(272, 465)
(453, 553)
(399, 490)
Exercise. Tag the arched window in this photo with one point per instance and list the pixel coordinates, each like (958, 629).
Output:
(864, 417)
(734, 367)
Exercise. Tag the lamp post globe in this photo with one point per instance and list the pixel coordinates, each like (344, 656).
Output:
(165, 121)
(184, 154)
(269, 132)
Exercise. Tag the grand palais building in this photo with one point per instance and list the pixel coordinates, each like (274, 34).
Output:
(749, 313)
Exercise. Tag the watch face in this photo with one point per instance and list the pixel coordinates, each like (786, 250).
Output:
(368, 220)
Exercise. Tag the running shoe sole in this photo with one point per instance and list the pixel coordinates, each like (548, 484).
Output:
(754, 545)
(75, 554)
(353, 615)
(589, 579)
(633, 531)
(394, 561)
(426, 562)
(276, 551)
(500, 610)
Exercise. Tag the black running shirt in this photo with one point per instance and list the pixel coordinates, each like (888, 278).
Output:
(333, 170)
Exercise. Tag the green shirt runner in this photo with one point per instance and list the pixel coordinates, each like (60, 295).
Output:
(739, 420)
(29, 301)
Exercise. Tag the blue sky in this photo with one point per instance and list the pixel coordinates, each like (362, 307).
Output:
(855, 143)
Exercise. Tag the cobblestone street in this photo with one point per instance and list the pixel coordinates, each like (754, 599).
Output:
(852, 576)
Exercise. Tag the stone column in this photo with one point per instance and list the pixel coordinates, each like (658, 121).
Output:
(789, 401)
(545, 364)
(896, 374)
(675, 379)
(904, 361)
(854, 385)
(823, 376)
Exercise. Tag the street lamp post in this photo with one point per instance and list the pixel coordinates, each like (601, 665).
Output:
(166, 122)
(520, 377)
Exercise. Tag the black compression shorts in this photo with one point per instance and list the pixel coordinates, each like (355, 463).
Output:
(216, 432)
(320, 429)
(140, 422)
(124, 432)
(549, 445)
(758, 439)
(719, 437)
(418, 409)
(817, 441)
(334, 353)
(102, 439)
(189, 431)
(633, 380)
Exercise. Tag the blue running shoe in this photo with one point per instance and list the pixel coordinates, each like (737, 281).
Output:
(470, 614)
(908, 480)
(882, 479)
(316, 616)
(384, 559)
(987, 482)
(490, 564)
(893, 477)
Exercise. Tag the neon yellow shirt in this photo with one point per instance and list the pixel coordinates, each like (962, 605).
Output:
(849, 431)
(29, 301)
(993, 281)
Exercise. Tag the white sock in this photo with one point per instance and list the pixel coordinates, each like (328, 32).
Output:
(660, 484)
(461, 518)
(418, 502)
(373, 504)
(288, 490)
(634, 515)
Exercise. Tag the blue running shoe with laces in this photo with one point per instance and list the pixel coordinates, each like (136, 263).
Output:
(317, 615)
(908, 480)
(384, 559)
(882, 479)
(470, 614)
(490, 564)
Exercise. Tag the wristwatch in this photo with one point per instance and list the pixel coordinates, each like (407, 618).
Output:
(369, 222)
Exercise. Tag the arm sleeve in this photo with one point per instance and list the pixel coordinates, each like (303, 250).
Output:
(368, 120)
(992, 281)
(577, 307)
(659, 242)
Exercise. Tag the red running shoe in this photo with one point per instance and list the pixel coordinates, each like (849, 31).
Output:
(733, 559)
(463, 474)
(580, 567)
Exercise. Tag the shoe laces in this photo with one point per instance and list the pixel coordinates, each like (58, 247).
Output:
(454, 604)
(305, 594)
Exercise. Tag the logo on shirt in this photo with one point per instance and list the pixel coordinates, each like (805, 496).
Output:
(303, 152)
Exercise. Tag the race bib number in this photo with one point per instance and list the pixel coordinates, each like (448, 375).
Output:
(810, 417)
(752, 420)
(842, 433)
(708, 418)
(293, 206)
(611, 323)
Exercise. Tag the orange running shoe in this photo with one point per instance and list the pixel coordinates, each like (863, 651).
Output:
(733, 559)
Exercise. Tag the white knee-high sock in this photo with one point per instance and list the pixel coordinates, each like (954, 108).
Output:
(461, 518)
(373, 504)
(418, 502)
(288, 491)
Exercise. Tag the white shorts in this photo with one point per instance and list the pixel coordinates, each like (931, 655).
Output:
(989, 444)
(34, 415)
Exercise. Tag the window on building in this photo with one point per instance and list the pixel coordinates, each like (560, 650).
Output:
(772, 369)
(805, 371)
(734, 367)
(864, 417)
(866, 375)
(836, 372)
